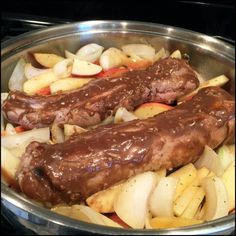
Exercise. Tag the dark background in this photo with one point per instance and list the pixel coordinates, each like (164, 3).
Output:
(215, 18)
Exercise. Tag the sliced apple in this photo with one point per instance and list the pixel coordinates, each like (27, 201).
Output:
(185, 176)
(176, 54)
(68, 84)
(131, 204)
(194, 204)
(211, 161)
(229, 181)
(162, 197)
(31, 71)
(90, 52)
(150, 109)
(72, 129)
(217, 201)
(216, 81)
(103, 201)
(47, 59)
(39, 82)
(172, 222)
(9, 165)
(84, 68)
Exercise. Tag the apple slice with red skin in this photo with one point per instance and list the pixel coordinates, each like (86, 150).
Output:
(151, 109)
(84, 68)
(47, 60)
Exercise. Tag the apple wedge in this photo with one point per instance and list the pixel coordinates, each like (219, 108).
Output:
(216, 81)
(47, 60)
(194, 204)
(103, 201)
(181, 203)
(229, 181)
(217, 201)
(176, 54)
(72, 129)
(131, 204)
(68, 84)
(150, 109)
(172, 222)
(9, 165)
(185, 176)
(85, 68)
(33, 85)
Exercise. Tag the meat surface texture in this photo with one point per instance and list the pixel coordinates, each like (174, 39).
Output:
(89, 162)
(164, 81)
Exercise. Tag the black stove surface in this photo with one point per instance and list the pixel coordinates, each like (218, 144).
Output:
(215, 18)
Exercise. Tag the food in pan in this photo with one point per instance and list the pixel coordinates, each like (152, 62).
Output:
(100, 132)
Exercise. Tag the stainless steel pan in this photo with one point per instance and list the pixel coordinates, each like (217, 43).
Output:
(209, 56)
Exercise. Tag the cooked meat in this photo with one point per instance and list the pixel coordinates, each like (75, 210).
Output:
(94, 160)
(164, 81)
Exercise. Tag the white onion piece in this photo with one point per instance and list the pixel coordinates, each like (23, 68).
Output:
(131, 203)
(211, 161)
(90, 52)
(139, 51)
(217, 202)
(62, 68)
(17, 78)
(85, 213)
(162, 197)
(31, 71)
(13, 141)
(122, 115)
(111, 58)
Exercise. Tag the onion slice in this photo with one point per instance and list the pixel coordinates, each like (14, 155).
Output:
(13, 141)
(17, 78)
